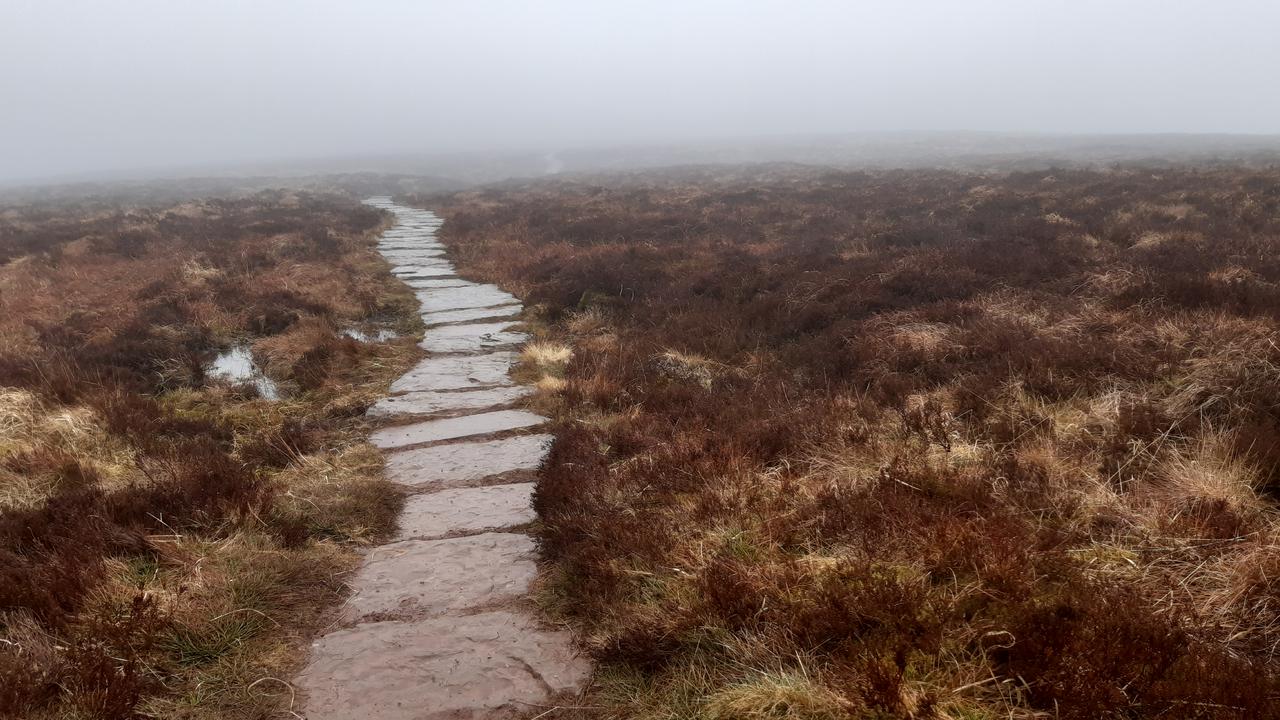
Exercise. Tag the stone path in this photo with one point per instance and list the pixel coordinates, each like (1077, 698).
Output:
(439, 625)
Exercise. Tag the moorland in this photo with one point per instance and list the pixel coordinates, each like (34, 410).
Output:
(905, 444)
(170, 539)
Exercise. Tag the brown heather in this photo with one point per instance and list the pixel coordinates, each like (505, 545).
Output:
(907, 444)
(167, 544)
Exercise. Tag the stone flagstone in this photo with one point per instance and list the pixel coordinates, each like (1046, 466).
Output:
(418, 578)
(471, 338)
(441, 466)
(436, 402)
(473, 296)
(457, 372)
(489, 313)
(483, 666)
(440, 623)
(467, 510)
(453, 428)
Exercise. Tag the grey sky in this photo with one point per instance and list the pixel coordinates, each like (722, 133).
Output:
(98, 85)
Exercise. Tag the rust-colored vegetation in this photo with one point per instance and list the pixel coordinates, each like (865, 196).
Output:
(168, 540)
(907, 444)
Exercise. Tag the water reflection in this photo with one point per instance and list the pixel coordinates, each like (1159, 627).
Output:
(236, 365)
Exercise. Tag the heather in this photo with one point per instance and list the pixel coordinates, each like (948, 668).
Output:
(905, 444)
(169, 539)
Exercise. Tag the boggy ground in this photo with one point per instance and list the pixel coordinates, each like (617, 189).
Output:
(906, 444)
(169, 542)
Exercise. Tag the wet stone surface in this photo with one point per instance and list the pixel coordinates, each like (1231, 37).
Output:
(472, 296)
(464, 426)
(458, 372)
(467, 510)
(436, 403)
(471, 338)
(435, 282)
(419, 578)
(441, 466)
(439, 625)
(498, 312)
(488, 665)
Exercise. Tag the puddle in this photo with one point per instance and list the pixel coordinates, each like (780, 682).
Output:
(370, 336)
(236, 365)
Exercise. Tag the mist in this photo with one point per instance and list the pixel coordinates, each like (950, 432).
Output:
(112, 86)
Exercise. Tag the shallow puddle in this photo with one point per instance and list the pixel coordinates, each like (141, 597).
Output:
(236, 365)
(370, 335)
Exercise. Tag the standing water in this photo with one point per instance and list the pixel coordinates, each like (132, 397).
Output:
(236, 365)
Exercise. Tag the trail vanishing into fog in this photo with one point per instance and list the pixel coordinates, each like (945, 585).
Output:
(440, 625)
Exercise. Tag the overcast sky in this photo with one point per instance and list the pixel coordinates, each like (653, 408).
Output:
(99, 85)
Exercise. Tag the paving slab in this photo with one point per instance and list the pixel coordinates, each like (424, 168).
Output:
(475, 337)
(428, 431)
(435, 403)
(412, 255)
(457, 372)
(424, 268)
(460, 511)
(435, 282)
(473, 296)
(419, 578)
(470, 314)
(442, 466)
(492, 665)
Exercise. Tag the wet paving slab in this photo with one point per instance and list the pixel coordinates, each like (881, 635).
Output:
(458, 372)
(447, 317)
(425, 269)
(471, 338)
(421, 578)
(486, 665)
(466, 510)
(441, 402)
(463, 426)
(472, 296)
(445, 282)
(439, 625)
(454, 464)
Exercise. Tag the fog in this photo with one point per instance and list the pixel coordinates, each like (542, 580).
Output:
(101, 87)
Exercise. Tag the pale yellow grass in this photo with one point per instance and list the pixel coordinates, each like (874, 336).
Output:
(29, 427)
(546, 354)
